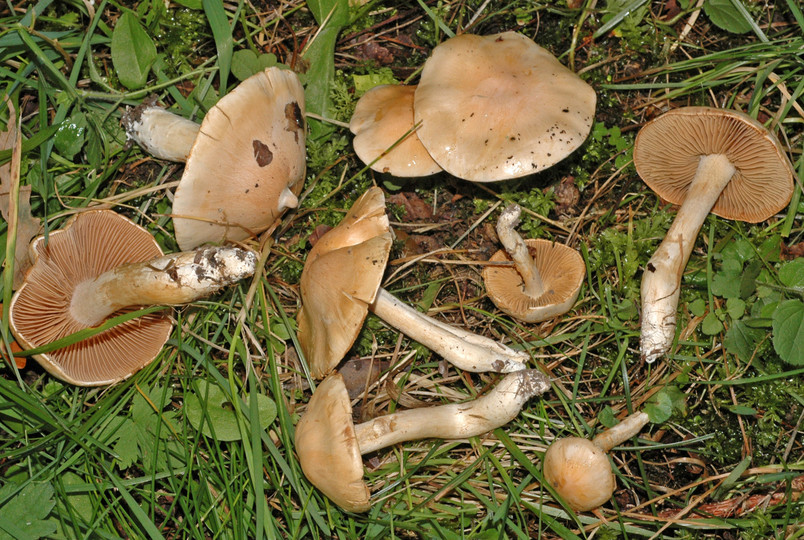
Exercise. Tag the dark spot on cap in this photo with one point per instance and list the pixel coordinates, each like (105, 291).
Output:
(262, 153)
(651, 268)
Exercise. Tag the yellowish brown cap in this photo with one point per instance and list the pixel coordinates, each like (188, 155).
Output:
(667, 151)
(580, 472)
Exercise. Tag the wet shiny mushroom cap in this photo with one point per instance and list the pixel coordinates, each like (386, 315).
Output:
(88, 245)
(248, 162)
(500, 106)
(382, 117)
(668, 149)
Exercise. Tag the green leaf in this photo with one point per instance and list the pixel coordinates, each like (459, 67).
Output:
(735, 307)
(364, 83)
(664, 403)
(210, 411)
(606, 417)
(246, 63)
(222, 32)
(727, 281)
(70, 137)
(133, 51)
(788, 331)
(741, 340)
(697, 307)
(742, 410)
(23, 516)
(724, 15)
(711, 325)
(791, 274)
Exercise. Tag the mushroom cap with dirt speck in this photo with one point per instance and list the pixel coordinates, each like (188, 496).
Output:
(382, 117)
(327, 446)
(500, 106)
(562, 271)
(580, 472)
(247, 164)
(89, 244)
(668, 149)
(335, 301)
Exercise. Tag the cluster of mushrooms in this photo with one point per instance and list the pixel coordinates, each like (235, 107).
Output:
(486, 109)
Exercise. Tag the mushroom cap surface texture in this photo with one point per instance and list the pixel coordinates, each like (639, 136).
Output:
(250, 148)
(327, 446)
(89, 244)
(562, 271)
(667, 150)
(500, 106)
(382, 116)
(580, 472)
(341, 276)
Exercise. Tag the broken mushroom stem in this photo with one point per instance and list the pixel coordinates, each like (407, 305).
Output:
(172, 279)
(661, 282)
(462, 349)
(629, 427)
(518, 250)
(456, 420)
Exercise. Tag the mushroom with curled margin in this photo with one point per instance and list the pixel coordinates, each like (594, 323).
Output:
(100, 264)
(340, 283)
(245, 163)
(545, 279)
(579, 470)
(706, 160)
(330, 445)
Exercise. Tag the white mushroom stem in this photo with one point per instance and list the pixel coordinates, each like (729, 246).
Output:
(457, 420)
(163, 134)
(620, 433)
(464, 350)
(515, 246)
(661, 282)
(172, 279)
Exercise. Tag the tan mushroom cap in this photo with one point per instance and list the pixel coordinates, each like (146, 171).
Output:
(562, 271)
(382, 116)
(580, 472)
(667, 151)
(498, 107)
(340, 279)
(250, 148)
(327, 446)
(89, 244)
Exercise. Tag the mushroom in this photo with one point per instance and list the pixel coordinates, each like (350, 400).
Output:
(329, 444)
(245, 167)
(101, 264)
(340, 282)
(498, 107)
(579, 470)
(704, 159)
(545, 279)
(385, 136)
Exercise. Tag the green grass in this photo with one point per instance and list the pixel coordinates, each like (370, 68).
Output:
(128, 461)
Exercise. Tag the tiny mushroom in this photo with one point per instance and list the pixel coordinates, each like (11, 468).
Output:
(496, 107)
(385, 137)
(340, 283)
(706, 160)
(329, 444)
(545, 279)
(100, 264)
(579, 470)
(246, 165)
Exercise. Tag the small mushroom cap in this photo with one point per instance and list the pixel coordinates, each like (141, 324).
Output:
(327, 446)
(580, 472)
(249, 152)
(562, 271)
(340, 279)
(498, 107)
(89, 244)
(382, 116)
(668, 148)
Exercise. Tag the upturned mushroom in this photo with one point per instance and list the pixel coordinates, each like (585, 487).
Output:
(100, 264)
(245, 166)
(490, 108)
(330, 445)
(579, 470)
(545, 279)
(706, 160)
(385, 135)
(340, 283)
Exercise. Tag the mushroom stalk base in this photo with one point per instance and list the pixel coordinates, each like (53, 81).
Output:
(464, 350)
(532, 283)
(162, 133)
(661, 282)
(457, 420)
(178, 278)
